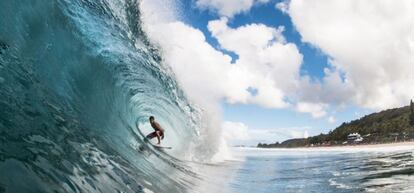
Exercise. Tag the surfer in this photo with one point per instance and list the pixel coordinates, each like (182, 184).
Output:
(159, 131)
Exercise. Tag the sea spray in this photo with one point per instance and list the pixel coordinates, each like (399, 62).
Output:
(161, 19)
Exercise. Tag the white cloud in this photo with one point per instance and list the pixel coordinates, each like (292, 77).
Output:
(331, 119)
(235, 131)
(266, 63)
(202, 71)
(283, 6)
(370, 42)
(317, 110)
(265, 57)
(330, 90)
(238, 133)
(298, 134)
(228, 8)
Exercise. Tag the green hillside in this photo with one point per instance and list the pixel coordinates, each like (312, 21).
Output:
(382, 126)
(386, 126)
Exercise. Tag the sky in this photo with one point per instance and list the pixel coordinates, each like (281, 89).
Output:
(271, 70)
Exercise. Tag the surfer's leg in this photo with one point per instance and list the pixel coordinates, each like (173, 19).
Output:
(151, 135)
(157, 133)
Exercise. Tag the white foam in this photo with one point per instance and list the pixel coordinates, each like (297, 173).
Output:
(332, 182)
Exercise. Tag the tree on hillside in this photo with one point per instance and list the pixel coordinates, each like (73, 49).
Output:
(411, 113)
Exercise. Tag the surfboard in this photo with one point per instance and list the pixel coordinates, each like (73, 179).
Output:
(160, 147)
(156, 146)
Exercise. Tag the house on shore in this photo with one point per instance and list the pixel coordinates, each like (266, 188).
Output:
(354, 138)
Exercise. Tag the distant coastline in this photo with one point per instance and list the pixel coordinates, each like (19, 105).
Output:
(368, 147)
(356, 145)
(382, 128)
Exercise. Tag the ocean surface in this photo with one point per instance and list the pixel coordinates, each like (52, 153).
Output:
(78, 81)
(343, 170)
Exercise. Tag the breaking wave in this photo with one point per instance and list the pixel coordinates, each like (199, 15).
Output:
(78, 81)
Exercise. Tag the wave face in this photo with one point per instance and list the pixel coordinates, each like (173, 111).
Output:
(77, 77)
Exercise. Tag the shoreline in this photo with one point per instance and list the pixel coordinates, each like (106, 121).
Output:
(377, 145)
(408, 145)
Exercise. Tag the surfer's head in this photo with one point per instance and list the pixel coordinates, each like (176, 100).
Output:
(151, 119)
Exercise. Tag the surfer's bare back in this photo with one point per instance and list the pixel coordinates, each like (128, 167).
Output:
(159, 131)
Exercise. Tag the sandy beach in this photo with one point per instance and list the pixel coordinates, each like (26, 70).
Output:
(409, 145)
(363, 147)
(397, 144)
